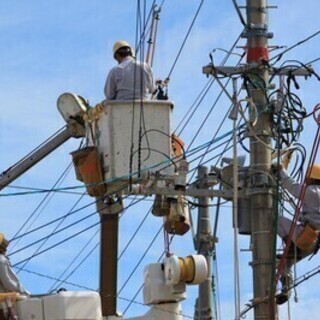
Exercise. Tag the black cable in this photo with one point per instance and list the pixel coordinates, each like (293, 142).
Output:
(134, 234)
(59, 282)
(239, 13)
(141, 259)
(279, 56)
(48, 237)
(87, 256)
(60, 180)
(185, 39)
(51, 222)
(200, 96)
(58, 243)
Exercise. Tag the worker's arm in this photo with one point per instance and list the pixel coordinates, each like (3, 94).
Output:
(293, 187)
(110, 86)
(149, 79)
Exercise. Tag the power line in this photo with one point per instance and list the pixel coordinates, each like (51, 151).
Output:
(54, 231)
(44, 239)
(141, 259)
(51, 222)
(57, 283)
(46, 198)
(58, 243)
(279, 56)
(185, 39)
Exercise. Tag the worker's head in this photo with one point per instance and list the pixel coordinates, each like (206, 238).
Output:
(121, 50)
(313, 174)
(3, 243)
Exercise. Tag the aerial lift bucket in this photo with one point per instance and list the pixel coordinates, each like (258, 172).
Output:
(88, 170)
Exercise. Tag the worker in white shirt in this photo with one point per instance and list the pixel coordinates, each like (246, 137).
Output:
(305, 237)
(9, 281)
(130, 79)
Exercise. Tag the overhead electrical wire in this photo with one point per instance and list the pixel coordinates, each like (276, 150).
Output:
(141, 287)
(57, 244)
(280, 55)
(242, 20)
(59, 282)
(185, 39)
(140, 260)
(195, 105)
(206, 89)
(46, 238)
(133, 202)
(59, 231)
(55, 230)
(37, 209)
(51, 222)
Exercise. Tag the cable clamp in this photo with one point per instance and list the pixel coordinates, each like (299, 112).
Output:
(260, 261)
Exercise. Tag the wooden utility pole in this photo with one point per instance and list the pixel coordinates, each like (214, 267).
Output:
(262, 209)
(109, 225)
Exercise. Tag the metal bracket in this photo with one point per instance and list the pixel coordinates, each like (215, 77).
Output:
(257, 33)
(255, 191)
(260, 261)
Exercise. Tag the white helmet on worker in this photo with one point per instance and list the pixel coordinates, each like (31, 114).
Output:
(3, 242)
(314, 171)
(122, 44)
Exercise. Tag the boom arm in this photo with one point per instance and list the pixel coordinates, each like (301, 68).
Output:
(72, 108)
(72, 129)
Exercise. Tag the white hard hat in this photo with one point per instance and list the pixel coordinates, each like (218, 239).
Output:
(120, 44)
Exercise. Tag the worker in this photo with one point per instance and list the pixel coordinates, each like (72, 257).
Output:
(9, 281)
(305, 237)
(130, 79)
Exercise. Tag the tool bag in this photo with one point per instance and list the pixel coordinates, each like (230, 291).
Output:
(88, 170)
(307, 238)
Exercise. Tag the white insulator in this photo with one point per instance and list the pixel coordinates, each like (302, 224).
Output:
(172, 270)
(191, 270)
(180, 181)
(183, 166)
(201, 269)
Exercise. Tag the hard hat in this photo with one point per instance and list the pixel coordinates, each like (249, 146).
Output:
(314, 171)
(1, 238)
(120, 44)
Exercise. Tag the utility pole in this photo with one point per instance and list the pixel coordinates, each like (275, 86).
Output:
(261, 195)
(109, 229)
(205, 243)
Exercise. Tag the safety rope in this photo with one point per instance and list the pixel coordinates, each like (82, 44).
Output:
(302, 193)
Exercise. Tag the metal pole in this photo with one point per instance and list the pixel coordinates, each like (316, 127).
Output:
(205, 245)
(109, 222)
(260, 152)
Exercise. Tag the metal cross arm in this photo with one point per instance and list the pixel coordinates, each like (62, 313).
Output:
(231, 71)
(192, 192)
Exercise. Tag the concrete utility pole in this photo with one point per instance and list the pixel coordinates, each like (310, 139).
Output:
(204, 242)
(262, 209)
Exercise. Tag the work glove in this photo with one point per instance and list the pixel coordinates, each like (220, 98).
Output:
(286, 159)
(276, 167)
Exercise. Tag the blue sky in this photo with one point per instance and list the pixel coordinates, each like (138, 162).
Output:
(50, 47)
